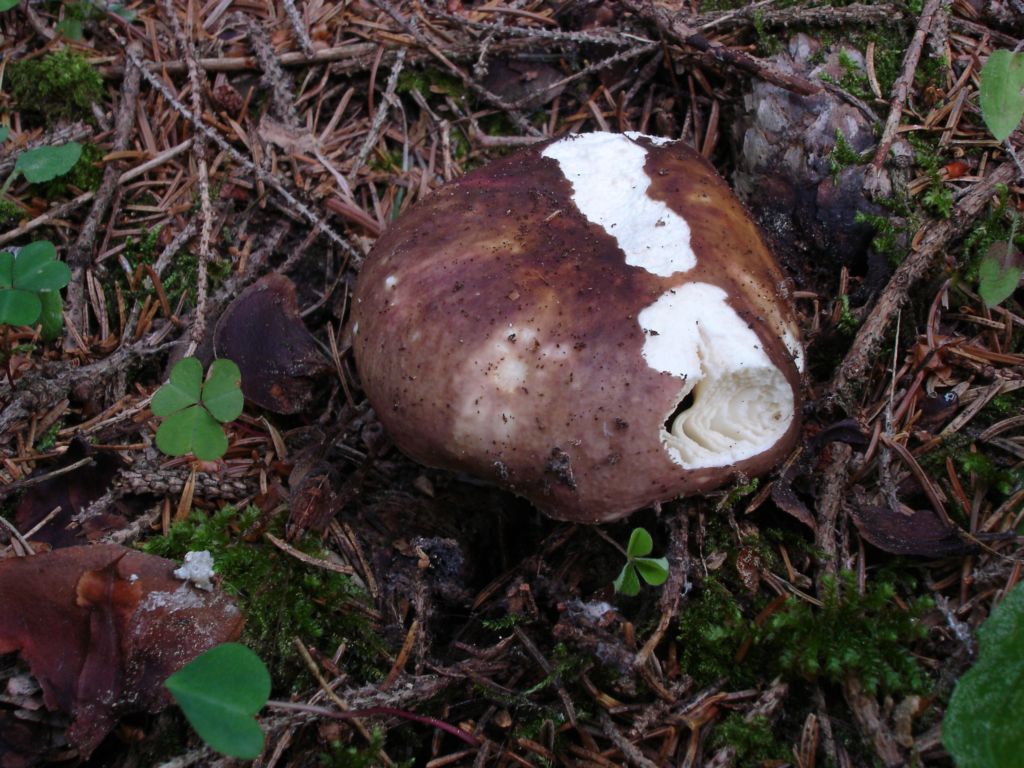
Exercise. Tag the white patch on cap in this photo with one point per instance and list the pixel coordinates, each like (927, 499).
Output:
(742, 403)
(609, 186)
(658, 141)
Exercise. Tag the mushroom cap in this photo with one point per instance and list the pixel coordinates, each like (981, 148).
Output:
(594, 323)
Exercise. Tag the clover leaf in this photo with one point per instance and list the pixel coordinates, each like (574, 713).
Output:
(653, 570)
(47, 163)
(982, 724)
(193, 411)
(1002, 104)
(220, 692)
(999, 272)
(29, 282)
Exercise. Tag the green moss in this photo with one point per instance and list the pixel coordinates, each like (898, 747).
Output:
(61, 86)
(10, 214)
(1006, 481)
(754, 742)
(48, 439)
(338, 755)
(428, 81)
(867, 637)
(282, 598)
(847, 324)
(842, 156)
(996, 226)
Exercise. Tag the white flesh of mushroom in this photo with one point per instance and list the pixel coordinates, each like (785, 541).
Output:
(742, 404)
(609, 187)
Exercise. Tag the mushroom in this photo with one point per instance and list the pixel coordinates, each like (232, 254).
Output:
(594, 323)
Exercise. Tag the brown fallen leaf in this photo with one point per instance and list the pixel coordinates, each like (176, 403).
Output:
(101, 627)
(73, 492)
(910, 532)
(262, 332)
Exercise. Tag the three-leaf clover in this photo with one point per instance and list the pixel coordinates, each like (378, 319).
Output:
(29, 285)
(194, 410)
(220, 692)
(47, 163)
(1002, 105)
(653, 570)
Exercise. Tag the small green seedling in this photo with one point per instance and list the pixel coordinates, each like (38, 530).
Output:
(44, 163)
(220, 692)
(30, 286)
(982, 724)
(1002, 105)
(1000, 271)
(193, 410)
(653, 570)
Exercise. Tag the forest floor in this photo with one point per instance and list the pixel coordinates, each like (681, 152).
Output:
(820, 615)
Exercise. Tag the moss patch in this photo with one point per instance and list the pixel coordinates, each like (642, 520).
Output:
(61, 86)
(281, 597)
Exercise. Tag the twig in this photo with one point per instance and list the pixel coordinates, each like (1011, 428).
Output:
(80, 255)
(673, 26)
(64, 134)
(45, 218)
(18, 485)
(830, 503)
(295, 22)
(629, 750)
(373, 135)
(858, 360)
(188, 52)
(563, 694)
(900, 91)
(675, 586)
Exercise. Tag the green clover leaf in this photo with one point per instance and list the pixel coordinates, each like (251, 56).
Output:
(193, 410)
(47, 163)
(998, 274)
(222, 394)
(653, 570)
(28, 287)
(1002, 105)
(220, 692)
(182, 390)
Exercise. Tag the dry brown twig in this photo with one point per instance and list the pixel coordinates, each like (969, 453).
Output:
(875, 182)
(188, 53)
(80, 255)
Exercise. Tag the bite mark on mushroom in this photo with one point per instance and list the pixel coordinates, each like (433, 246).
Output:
(742, 403)
(609, 187)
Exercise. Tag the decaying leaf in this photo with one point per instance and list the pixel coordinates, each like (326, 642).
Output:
(101, 627)
(72, 493)
(262, 332)
(909, 532)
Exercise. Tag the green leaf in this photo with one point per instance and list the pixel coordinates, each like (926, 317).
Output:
(220, 693)
(4, 130)
(6, 5)
(996, 284)
(36, 268)
(627, 582)
(194, 431)
(640, 543)
(6, 269)
(47, 163)
(70, 28)
(222, 395)
(19, 307)
(51, 317)
(653, 570)
(982, 724)
(181, 391)
(1002, 105)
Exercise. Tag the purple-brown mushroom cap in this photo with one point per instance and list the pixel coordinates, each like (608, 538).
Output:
(594, 323)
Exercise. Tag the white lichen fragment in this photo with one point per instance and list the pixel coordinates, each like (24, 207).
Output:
(742, 403)
(610, 187)
(198, 569)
